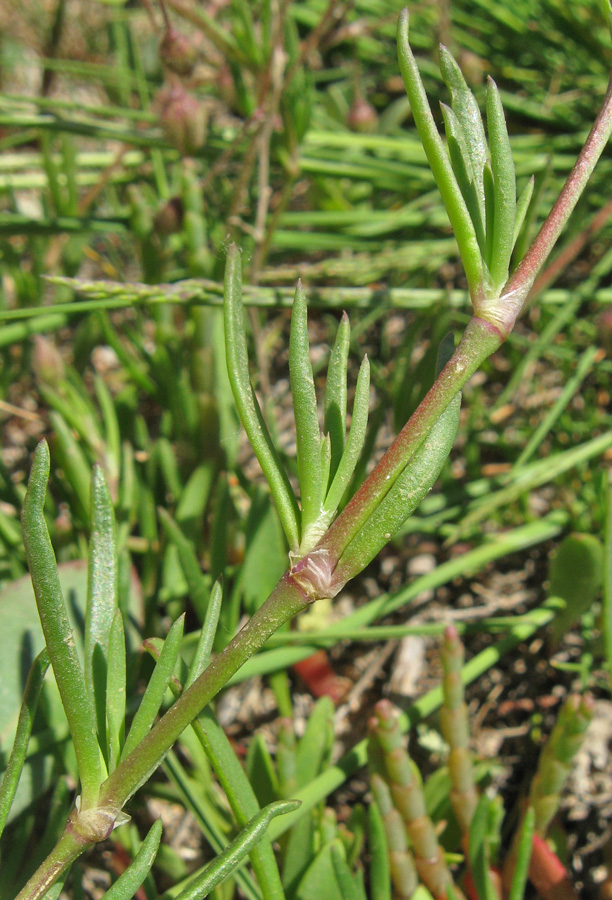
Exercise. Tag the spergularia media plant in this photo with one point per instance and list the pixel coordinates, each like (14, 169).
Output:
(330, 537)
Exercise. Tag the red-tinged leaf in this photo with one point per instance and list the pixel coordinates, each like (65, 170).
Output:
(320, 678)
(548, 874)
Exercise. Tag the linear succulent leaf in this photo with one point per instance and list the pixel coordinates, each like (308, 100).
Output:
(415, 482)
(246, 401)
(504, 188)
(464, 173)
(17, 758)
(469, 118)
(129, 882)
(115, 691)
(101, 594)
(308, 435)
(438, 160)
(335, 393)
(355, 439)
(156, 688)
(57, 630)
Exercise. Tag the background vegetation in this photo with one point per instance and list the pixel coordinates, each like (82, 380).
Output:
(290, 133)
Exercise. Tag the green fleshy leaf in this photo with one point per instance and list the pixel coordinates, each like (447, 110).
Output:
(197, 583)
(14, 768)
(56, 627)
(203, 650)
(308, 435)
(315, 746)
(156, 688)
(462, 167)
(489, 190)
(523, 856)
(351, 886)
(116, 691)
(261, 772)
(246, 401)
(438, 160)
(504, 188)
(469, 119)
(130, 881)
(482, 834)
(380, 872)
(226, 863)
(402, 499)
(355, 440)
(335, 393)
(101, 596)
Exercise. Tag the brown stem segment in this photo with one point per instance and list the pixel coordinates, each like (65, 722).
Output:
(69, 847)
(558, 217)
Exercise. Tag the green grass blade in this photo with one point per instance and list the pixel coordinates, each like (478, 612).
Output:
(198, 584)
(201, 657)
(101, 596)
(238, 789)
(335, 775)
(246, 402)
(571, 387)
(523, 857)
(308, 435)
(116, 691)
(350, 887)
(335, 393)
(73, 462)
(14, 767)
(56, 628)
(227, 862)
(607, 577)
(541, 472)
(380, 872)
(355, 440)
(241, 798)
(112, 439)
(481, 835)
(130, 881)
(315, 746)
(156, 688)
(504, 188)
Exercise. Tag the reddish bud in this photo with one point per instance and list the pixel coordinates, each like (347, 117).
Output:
(47, 362)
(169, 218)
(182, 118)
(177, 52)
(362, 117)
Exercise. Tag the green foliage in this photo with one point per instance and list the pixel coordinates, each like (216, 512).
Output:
(252, 129)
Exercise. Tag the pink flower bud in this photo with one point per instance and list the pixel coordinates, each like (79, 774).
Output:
(182, 118)
(47, 362)
(177, 52)
(169, 218)
(362, 116)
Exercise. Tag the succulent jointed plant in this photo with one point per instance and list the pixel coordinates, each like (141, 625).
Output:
(329, 542)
